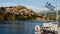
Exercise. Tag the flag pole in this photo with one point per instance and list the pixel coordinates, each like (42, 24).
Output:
(56, 10)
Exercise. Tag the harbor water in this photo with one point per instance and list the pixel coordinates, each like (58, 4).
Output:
(19, 26)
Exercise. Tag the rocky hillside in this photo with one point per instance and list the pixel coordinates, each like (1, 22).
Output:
(17, 13)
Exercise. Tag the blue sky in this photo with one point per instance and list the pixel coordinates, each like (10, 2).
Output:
(36, 5)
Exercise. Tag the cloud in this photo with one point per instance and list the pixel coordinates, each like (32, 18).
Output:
(59, 6)
(4, 4)
(35, 8)
(39, 9)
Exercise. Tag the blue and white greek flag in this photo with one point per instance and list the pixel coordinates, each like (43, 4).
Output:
(50, 6)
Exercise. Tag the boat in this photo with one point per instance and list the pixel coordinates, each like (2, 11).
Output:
(51, 27)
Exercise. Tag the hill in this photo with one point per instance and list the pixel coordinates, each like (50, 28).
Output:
(17, 13)
(50, 15)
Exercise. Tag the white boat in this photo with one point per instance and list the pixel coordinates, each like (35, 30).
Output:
(53, 27)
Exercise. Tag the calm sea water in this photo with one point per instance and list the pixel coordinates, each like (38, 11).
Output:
(20, 27)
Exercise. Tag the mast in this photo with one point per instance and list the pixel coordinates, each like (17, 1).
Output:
(46, 13)
(56, 10)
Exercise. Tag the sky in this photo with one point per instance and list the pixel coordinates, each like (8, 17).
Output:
(35, 5)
